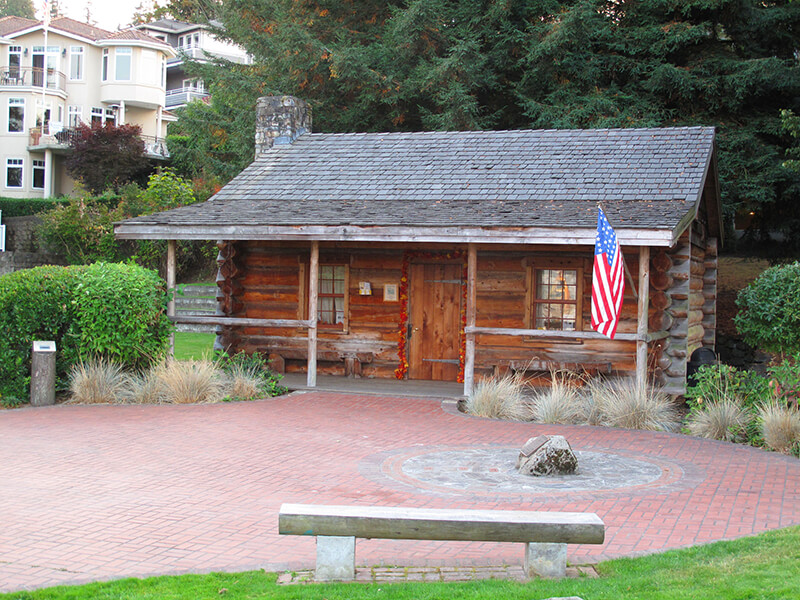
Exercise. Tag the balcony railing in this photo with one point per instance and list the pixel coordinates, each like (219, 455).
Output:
(33, 77)
(63, 138)
(197, 53)
(184, 95)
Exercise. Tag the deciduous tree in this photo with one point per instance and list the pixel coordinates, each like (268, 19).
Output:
(17, 8)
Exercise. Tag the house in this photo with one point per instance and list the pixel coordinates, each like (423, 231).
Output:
(72, 73)
(448, 255)
(191, 41)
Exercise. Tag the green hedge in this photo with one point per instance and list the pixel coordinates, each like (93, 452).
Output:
(113, 310)
(22, 207)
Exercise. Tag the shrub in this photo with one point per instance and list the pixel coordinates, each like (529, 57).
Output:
(560, 403)
(720, 419)
(780, 426)
(500, 398)
(188, 382)
(102, 310)
(97, 381)
(631, 405)
(23, 207)
(246, 370)
(769, 310)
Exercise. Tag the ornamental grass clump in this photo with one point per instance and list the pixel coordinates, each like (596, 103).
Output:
(243, 383)
(97, 381)
(780, 426)
(144, 388)
(560, 402)
(721, 419)
(631, 405)
(191, 381)
(500, 398)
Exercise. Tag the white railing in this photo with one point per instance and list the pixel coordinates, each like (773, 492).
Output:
(184, 95)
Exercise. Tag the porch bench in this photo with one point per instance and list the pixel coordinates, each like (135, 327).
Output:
(545, 534)
(353, 361)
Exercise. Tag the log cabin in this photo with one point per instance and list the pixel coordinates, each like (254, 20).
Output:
(451, 255)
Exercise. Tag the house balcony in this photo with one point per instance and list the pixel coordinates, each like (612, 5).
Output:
(60, 140)
(182, 96)
(33, 77)
(197, 53)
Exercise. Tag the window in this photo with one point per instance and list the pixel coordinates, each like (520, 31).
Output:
(149, 73)
(16, 115)
(104, 70)
(332, 303)
(195, 85)
(14, 62)
(122, 69)
(38, 174)
(556, 298)
(111, 116)
(76, 63)
(74, 115)
(97, 116)
(14, 172)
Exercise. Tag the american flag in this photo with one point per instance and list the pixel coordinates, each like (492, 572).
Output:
(608, 281)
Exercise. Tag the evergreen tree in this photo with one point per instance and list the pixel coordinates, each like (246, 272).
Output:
(504, 64)
(17, 8)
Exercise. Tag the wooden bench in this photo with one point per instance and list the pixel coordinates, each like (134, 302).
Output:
(545, 534)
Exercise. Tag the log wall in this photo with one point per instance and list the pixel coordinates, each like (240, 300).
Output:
(269, 280)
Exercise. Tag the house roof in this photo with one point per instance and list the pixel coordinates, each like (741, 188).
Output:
(487, 186)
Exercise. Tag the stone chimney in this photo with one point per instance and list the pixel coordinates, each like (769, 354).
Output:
(280, 120)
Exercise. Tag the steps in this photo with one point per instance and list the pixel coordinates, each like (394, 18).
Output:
(196, 301)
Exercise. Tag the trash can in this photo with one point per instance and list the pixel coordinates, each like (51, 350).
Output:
(43, 374)
(700, 357)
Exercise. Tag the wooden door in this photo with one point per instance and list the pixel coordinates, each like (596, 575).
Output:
(434, 296)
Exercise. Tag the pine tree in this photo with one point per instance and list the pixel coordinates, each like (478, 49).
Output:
(17, 8)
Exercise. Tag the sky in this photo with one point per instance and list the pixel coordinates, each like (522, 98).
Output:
(108, 14)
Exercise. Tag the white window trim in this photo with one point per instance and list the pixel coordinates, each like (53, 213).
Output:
(77, 51)
(9, 165)
(35, 166)
(124, 51)
(16, 102)
(105, 65)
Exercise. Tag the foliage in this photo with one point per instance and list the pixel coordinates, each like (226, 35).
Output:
(626, 403)
(96, 381)
(192, 11)
(17, 8)
(720, 383)
(723, 419)
(114, 311)
(106, 156)
(561, 402)
(500, 398)
(780, 426)
(758, 567)
(22, 207)
(431, 64)
(242, 367)
(82, 230)
(769, 310)
(192, 381)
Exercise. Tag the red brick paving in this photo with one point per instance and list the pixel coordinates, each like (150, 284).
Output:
(100, 492)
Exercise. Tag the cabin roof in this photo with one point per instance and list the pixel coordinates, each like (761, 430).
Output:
(646, 179)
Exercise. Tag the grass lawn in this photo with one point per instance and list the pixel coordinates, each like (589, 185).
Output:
(190, 345)
(760, 567)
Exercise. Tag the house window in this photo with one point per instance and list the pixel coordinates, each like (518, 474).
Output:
(111, 116)
(97, 116)
(14, 62)
(556, 299)
(16, 115)
(38, 175)
(332, 302)
(76, 63)
(74, 115)
(14, 172)
(104, 70)
(122, 67)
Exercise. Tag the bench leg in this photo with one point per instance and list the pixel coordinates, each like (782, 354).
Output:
(336, 558)
(546, 560)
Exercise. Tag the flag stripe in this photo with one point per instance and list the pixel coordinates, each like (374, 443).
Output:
(608, 281)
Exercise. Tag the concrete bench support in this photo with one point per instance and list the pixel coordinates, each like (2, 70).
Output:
(545, 534)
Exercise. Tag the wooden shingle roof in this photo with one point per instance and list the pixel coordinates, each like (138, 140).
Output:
(496, 182)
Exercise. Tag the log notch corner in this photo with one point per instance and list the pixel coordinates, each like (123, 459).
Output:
(229, 290)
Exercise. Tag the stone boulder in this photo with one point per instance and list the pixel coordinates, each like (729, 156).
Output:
(547, 455)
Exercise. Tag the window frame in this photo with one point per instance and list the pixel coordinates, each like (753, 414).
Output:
(126, 52)
(74, 115)
(15, 103)
(554, 263)
(344, 326)
(76, 52)
(41, 166)
(104, 65)
(97, 113)
(15, 163)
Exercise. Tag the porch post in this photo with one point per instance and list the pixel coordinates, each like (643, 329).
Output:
(644, 303)
(313, 285)
(469, 350)
(49, 172)
(171, 291)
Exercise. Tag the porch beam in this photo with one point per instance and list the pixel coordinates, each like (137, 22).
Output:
(546, 333)
(171, 292)
(241, 322)
(313, 294)
(644, 302)
(469, 350)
